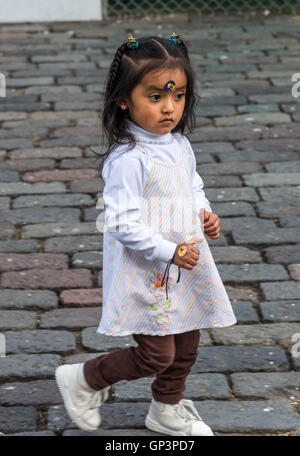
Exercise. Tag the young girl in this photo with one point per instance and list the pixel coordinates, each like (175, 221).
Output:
(160, 282)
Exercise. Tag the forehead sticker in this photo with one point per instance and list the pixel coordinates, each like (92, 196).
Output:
(170, 86)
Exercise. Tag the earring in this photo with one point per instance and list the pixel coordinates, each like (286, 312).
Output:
(123, 106)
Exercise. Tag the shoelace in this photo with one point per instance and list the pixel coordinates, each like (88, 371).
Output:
(167, 272)
(184, 413)
(99, 397)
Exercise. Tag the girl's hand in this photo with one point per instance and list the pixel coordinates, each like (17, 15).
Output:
(191, 256)
(211, 223)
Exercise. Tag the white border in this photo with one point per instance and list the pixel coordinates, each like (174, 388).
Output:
(49, 10)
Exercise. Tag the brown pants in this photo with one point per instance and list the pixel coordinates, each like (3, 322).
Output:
(169, 358)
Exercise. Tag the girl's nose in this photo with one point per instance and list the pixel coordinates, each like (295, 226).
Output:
(168, 105)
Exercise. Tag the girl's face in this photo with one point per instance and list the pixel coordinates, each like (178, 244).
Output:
(150, 103)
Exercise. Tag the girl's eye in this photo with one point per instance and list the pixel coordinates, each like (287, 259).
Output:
(181, 95)
(154, 96)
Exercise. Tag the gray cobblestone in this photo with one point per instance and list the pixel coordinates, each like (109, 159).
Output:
(52, 200)
(40, 341)
(280, 310)
(17, 419)
(39, 392)
(232, 359)
(252, 272)
(27, 299)
(266, 385)
(28, 366)
(17, 319)
(267, 334)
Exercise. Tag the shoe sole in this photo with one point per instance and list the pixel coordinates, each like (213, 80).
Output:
(156, 427)
(64, 391)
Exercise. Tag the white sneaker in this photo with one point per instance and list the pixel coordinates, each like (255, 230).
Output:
(176, 419)
(81, 401)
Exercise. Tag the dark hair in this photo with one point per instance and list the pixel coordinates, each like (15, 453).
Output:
(128, 67)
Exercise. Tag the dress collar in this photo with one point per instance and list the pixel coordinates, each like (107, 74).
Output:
(144, 136)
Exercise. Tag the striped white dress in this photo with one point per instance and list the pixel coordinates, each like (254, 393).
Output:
(152, 196)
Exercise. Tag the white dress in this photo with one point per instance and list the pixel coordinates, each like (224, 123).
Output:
(153, 195)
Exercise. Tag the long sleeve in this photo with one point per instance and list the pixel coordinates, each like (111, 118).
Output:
(122, 196)
(197, 182)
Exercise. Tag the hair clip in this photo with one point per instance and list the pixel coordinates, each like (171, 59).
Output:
(131, 43)
(175, 38)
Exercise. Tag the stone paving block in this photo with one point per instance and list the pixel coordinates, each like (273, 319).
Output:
(273, 291)
(39, 341)
(257, 117)
(73, 244)
(111, 432)
(17, 419)
(267, 385)
(248, 416)
(221, 181)
(290, 194)
(102, 342)
(53, 200)
(38, 392)
(72, 318)
(257, 156)
(287, 167)
(289, 222)
(92, 260)
(246, 223)
(15, 367)
(9, 176)
(4, 203)
(231, 194)
(252, 272)
(21, 188)
(198, 386)
(58, 175)
(244, 312)
(47, 278)
(55, 153)
(27, 165)
(233, 208)
(280, 310)
(81, 297)
(40, 215)
(272, 236)
(234, 254)
(294, 270)
(27, 299)
(45, 230)
(228, 168)
(7, 229)
(271, 209)
(17, 319)
(228, 133)
(267, 334)
(32, 434)
(223, 359)
(271, 179)
(211, 147)
(15, 261)
(86, 186)
(19, 245)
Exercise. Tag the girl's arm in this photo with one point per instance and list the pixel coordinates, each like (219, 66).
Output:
(123, 200)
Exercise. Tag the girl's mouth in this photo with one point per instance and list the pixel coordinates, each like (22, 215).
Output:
(166, 121)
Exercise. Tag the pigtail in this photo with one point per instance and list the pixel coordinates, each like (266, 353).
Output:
(177, 39)
(113, 71)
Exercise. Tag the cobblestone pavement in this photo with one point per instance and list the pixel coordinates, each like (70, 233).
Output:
(247, 377)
